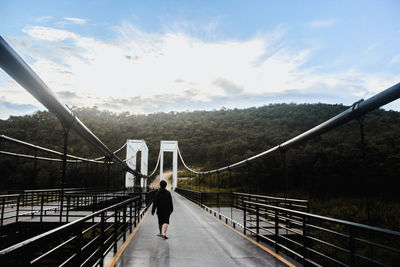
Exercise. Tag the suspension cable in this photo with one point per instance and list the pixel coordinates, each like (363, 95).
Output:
(155, 168)
(115, 152)
(6, 153)
(22, 73)
(36, 147)
(358, 109)
(16, 141)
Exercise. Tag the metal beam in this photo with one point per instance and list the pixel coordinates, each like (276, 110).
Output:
(20, 71)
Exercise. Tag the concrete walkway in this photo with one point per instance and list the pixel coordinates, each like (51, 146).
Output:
(195, 239)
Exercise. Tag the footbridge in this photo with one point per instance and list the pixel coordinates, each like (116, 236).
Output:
(212, 224)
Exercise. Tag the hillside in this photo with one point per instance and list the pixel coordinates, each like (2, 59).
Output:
(331, 163)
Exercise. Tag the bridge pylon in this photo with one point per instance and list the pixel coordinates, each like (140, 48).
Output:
(170, 146)
(132, 148)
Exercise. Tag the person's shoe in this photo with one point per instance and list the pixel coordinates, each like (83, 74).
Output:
(160, 235)
(165, 237)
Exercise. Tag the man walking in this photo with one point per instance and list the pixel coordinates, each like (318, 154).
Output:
(163, 204)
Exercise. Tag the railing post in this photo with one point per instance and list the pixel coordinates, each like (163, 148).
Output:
(204, 184)
(124, 223)
(244, 218)
(258, 223)
(210, 182)
(201, 199)
(139, 208)
(130, 217)
(276, 229)
(136, 208)
(305, 241)
(78, 246)
(351, 246)
(102, 240)
(219, 209)
(17, 215)
(32, 205)
(115, 231)
(41, 208)
(2, 210)
(68, 207)
(232, 195)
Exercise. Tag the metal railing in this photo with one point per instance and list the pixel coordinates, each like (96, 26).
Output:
(236, 199)
(84, 242)
(31, 203)
(292, 204)
(45, 205)
(318, 240)
(194, 196)
(209, 199)
(311, 239)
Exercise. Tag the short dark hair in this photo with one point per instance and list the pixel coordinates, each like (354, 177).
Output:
(163, 184)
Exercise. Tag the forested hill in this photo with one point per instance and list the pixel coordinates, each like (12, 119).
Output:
(215, 138)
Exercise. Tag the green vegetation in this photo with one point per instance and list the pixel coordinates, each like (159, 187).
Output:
(328, 170)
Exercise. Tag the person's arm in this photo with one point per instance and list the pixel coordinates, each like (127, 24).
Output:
(155, 202)
(171, 205)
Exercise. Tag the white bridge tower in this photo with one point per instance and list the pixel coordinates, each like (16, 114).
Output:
(132, 148)
(170, 146)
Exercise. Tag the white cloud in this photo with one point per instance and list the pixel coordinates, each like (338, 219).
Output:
(49, 34)
(321, 23)
(170, 70)
(43, 19)
(74, 20)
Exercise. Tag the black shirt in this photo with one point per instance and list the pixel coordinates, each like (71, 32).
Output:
(163, 203)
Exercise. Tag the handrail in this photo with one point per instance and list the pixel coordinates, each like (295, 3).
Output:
(319, 240)
(328, 219)
(301, 234)
(64, 227)
(269, 197)
(85, 241)
(72, 189)
(358, 109)
(18, 69)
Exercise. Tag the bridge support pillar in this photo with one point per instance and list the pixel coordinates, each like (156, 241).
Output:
(170, 146)
(132, 148)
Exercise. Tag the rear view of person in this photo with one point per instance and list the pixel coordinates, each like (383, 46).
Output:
(163, 205)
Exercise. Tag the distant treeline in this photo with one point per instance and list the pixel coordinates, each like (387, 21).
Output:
(329, 164)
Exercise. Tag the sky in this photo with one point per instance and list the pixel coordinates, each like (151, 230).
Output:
(161, 56)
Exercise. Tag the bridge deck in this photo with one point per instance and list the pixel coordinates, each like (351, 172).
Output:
(195, 239)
